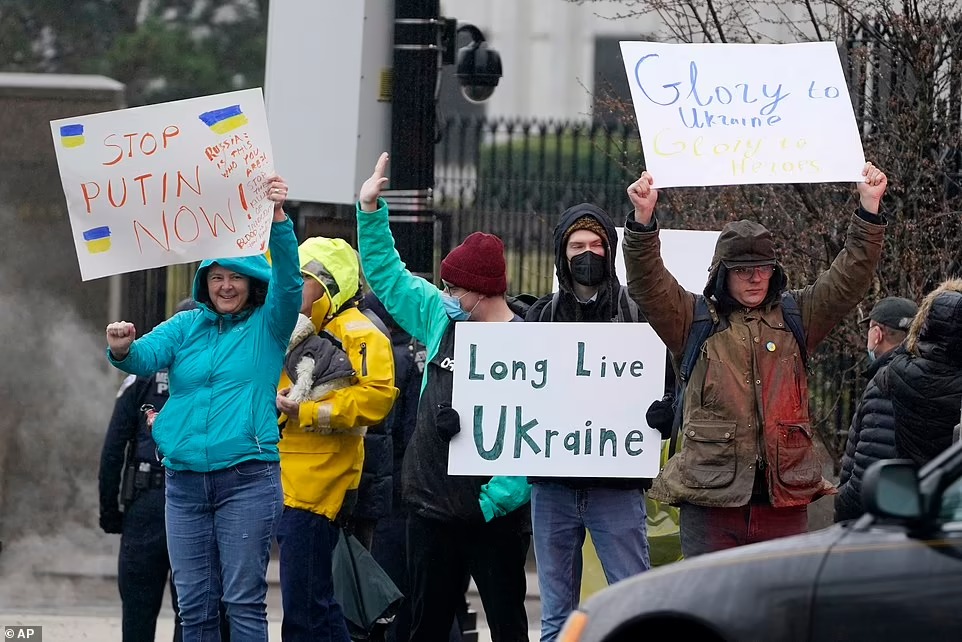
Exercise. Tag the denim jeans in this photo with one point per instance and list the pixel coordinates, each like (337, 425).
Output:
(560, 515)
(704, 529)
(220, 526)
(306, 541)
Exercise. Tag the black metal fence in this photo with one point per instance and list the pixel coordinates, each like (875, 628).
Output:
(515, 177)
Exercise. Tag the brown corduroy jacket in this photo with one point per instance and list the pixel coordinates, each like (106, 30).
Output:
(746, 403)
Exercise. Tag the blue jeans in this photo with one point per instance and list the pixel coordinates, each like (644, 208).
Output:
(560, 515)
(220, 526)
(306, 541)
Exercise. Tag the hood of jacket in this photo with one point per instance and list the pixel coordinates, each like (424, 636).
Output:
(607, 290)
(255, 268)
(743, 243)
(334, 264)
(936, 331)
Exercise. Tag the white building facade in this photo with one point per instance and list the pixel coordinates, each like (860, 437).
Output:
(549, 48)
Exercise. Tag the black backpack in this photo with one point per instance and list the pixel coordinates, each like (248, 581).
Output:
(704, 324)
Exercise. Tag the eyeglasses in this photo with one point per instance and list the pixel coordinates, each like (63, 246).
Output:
(746, 273)
(450, 289)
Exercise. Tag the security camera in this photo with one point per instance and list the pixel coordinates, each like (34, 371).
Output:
(478, 68)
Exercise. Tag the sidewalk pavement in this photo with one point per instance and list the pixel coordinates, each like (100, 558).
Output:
(88, 585)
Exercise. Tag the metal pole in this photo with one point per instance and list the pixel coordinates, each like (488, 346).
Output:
(413, 117)
(417, 56)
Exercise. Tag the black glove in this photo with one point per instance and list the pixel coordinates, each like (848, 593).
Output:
(661, 415)
(447, 422)
(112, 521)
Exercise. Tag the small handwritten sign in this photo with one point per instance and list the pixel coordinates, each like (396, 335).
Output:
(730, 114)
(167, 183)
(556, 399)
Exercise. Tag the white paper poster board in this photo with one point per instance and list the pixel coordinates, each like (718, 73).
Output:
(167, 183)
(556, 399)
(733, 114)
(686, 253)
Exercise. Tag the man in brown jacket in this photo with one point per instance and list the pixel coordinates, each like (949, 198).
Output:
(747, 468)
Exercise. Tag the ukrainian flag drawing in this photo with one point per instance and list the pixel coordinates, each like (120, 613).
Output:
(72, 135)
(97, 239)
(224, 120)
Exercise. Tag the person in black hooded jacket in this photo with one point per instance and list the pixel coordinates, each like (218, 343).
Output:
(871, 436)
(563, 509)
(925, 383)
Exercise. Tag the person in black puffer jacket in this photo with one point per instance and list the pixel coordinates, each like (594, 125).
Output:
(925, 383)
(871, 436)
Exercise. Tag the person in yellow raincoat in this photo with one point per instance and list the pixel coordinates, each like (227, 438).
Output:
(323, 419)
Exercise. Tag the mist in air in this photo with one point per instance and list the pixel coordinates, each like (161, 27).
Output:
(56, 395)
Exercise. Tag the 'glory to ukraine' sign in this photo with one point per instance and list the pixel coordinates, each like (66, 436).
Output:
(168, 183)
(556, 399)
(727, 114)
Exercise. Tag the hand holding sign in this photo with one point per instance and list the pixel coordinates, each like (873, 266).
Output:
(277, 192)
(120, 334)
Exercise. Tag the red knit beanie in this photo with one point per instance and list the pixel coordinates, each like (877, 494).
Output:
(477, 265)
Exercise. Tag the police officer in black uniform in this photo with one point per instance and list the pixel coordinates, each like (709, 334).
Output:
(132, 504)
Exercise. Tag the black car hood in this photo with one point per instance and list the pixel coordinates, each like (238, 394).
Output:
(728, 589)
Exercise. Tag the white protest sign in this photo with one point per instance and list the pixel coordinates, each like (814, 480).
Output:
(733, 114)
(168, 183)
(556, 399)
(686, 253)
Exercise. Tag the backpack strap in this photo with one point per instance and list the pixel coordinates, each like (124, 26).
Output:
(703, 325)
(793, 318)
(554, 305)
(627, 311)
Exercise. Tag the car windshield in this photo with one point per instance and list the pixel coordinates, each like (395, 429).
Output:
(951, 509)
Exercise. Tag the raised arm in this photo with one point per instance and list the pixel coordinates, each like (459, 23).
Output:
(839, 288)
(284, 294)
(413, 302)
(667, 306)
(153, 351)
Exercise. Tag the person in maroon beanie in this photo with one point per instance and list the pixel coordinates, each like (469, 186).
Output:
(456, 524)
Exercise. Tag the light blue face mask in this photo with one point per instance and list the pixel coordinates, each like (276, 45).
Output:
(871, 355)
(452, 305)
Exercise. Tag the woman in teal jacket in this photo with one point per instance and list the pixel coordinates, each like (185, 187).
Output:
(456, 524)
(218, 433)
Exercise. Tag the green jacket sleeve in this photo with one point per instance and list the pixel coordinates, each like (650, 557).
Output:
(284, 294)
(155, 350)
(502, 495)
(413, 302)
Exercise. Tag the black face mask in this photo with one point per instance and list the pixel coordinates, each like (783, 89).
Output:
(589, 269)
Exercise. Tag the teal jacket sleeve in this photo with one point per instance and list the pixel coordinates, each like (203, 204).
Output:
(284, 294)
(502, 495)
(155, 350)
(413, 302)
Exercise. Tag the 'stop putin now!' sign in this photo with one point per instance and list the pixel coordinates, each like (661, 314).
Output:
(169, 183)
